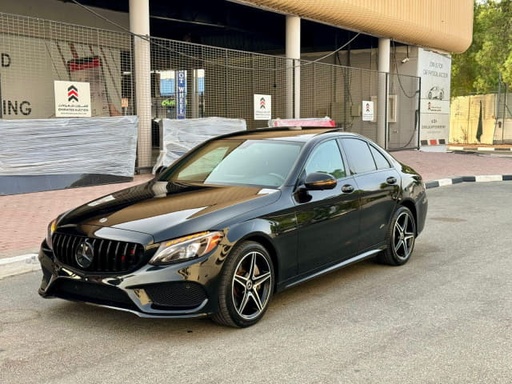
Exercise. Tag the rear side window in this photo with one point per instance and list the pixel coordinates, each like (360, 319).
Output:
(380, 159)
(359, 156)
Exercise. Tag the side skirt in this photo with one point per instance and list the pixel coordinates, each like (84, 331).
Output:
(362, 256)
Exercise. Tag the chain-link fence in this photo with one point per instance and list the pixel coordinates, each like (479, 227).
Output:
(36, 52)
(225, 82)
(188, 81)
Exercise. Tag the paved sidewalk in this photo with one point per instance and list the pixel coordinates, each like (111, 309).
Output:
(24, 217)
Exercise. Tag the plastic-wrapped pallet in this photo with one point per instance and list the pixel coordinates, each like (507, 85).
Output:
(179, 136)
(45, 154)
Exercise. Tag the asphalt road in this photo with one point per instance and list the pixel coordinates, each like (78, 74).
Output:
(445, 317)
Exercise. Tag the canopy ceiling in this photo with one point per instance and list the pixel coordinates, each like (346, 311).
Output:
(259, 25)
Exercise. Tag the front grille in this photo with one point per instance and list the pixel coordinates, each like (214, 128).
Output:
(176, 295)
(108, 256)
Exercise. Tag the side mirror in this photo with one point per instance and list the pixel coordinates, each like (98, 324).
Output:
(318, 181)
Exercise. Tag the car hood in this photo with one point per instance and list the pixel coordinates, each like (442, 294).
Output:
(167, 210)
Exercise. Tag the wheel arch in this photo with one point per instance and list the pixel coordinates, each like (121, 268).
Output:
(265, 242)
(412, 207)
(259, 231)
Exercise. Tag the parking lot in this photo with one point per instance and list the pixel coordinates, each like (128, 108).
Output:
(445, 317)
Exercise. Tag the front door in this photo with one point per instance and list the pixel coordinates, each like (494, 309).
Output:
(328, 220)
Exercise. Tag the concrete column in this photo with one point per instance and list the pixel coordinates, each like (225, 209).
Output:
(139, 25)
(293, 70)
(383, 92)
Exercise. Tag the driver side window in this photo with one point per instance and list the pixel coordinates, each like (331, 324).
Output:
(326, 158)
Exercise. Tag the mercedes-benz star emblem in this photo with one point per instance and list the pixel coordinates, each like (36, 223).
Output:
(84, 254)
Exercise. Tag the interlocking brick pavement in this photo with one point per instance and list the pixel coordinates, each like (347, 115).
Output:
(442, 165)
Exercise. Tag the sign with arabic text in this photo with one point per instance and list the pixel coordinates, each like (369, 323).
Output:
(262, 107)
(72, 99)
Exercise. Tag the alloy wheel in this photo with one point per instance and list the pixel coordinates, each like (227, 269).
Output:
(403, 236)
(251, 285)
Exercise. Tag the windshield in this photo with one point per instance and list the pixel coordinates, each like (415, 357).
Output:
(236, 161)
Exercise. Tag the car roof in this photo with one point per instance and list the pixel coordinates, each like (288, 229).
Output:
(288, 133)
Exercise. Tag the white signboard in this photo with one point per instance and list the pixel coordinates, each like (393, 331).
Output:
(262, 107)
(434, 70)
(367, 111)
(72, 99)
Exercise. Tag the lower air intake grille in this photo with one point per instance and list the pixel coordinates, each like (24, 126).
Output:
(103, 256)
(92, 293)
(179, 295)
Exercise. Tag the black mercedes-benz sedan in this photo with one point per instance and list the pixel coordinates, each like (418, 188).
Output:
(235, 220)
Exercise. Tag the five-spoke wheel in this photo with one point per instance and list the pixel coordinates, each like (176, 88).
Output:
(246, 286)
(401, 238)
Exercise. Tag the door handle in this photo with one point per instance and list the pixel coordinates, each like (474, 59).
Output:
(347, 188)
(391, 180)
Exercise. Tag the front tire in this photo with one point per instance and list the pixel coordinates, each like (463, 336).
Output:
(246, 286)
(401, 238)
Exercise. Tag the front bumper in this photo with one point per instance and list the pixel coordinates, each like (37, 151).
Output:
(187, 289)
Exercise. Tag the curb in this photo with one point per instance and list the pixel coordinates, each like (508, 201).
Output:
(467, 179)
(479, 149)
(18, 265)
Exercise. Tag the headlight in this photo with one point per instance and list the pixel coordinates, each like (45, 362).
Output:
(51, 230)
(187, 247)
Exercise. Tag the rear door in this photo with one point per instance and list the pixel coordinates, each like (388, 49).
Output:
(379, 186)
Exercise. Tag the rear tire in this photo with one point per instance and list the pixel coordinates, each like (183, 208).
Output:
(401, 238)
(246, 286)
